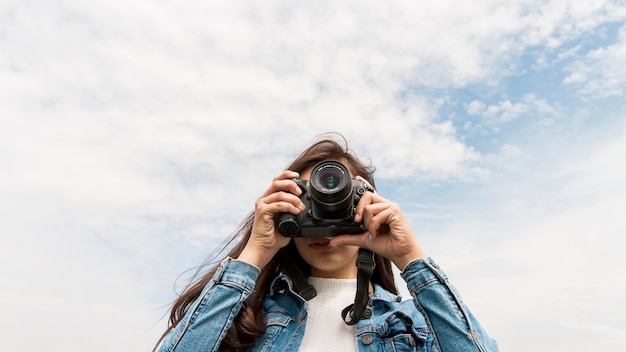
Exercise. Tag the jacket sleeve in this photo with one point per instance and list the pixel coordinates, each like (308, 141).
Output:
(207, 321)
(454, 327)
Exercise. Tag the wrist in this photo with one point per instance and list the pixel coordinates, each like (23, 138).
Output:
(254, 256)
(402, 261)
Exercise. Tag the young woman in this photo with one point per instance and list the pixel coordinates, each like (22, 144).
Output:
(249, 302)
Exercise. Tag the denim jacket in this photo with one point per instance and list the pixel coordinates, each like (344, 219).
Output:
(435, 320)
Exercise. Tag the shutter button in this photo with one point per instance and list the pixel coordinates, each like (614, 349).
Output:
(367, 339)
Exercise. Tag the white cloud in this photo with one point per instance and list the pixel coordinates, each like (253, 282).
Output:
(505, 111)
(509, 150)
(549, 234)
(601, 71)
(476, 107)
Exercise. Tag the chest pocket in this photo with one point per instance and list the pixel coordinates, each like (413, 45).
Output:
(399, 334)
(278, 317)
(282, 333)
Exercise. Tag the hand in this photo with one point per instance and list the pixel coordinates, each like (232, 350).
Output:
(265, 239)
(389, 233)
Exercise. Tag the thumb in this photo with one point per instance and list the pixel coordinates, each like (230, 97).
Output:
(351, 240)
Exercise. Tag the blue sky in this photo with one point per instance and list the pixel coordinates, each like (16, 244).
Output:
(135, 137)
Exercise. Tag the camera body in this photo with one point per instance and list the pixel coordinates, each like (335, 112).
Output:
(331, 197)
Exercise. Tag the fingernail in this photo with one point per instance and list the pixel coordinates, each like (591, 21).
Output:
(369, 235)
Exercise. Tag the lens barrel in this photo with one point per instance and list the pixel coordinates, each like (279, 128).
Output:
(331, 189)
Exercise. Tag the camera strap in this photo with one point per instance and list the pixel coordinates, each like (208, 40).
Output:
(365, 267)
(300, 283)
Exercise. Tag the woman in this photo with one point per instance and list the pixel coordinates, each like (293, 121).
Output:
(250, 300)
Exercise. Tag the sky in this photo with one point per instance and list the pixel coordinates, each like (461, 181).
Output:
(135, 136)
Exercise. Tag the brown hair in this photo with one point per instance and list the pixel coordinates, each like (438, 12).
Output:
(250, 324)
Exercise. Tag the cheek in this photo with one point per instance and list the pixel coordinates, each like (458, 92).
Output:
(351, 253)
(307, 253)
(301, 244)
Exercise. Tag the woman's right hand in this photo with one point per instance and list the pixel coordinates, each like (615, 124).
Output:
(265, 240)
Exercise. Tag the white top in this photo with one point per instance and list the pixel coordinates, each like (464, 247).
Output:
(325, 328)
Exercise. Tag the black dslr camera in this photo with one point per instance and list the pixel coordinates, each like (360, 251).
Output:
(330, 196)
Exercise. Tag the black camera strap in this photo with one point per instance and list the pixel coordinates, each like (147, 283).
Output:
(365, 267)
(300, 283)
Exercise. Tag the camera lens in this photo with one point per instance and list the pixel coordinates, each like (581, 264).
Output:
(330, 179)
(331, 189)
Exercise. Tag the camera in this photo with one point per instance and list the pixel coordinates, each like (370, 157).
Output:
(330, 196)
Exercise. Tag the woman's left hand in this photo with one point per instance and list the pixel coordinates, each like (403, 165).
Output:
(389, 233)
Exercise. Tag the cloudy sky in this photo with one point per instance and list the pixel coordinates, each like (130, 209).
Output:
(135, 136)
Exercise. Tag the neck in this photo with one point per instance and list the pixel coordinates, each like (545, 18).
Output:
(345, 273)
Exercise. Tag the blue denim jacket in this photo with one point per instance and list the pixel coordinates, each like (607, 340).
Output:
(435, 320)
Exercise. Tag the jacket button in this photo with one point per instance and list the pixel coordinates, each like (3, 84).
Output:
(367, 339)
(367, 313)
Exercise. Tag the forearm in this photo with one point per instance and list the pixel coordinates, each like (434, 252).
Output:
(453, 325)
(208, 319)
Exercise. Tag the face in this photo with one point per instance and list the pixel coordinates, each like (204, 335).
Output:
(337, 262)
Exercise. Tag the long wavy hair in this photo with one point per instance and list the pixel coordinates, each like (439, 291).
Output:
(250, 323)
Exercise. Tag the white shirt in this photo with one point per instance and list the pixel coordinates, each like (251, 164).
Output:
(325, 328)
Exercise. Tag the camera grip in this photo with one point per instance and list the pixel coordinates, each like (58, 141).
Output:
(288, 225)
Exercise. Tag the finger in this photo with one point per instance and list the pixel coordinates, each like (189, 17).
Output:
(366, 199)
(382, 221)
(283, 184)
(280, 202)
(281, 196)
(277, 207)
(286, 175)
(370, 212)
(350, 240)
